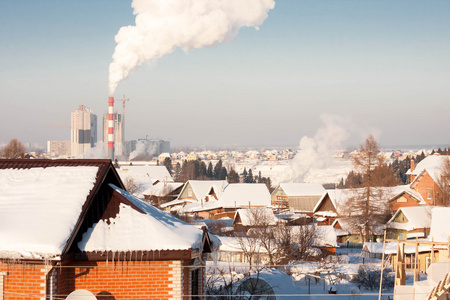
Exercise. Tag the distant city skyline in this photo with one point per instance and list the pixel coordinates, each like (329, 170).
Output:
(382, 67)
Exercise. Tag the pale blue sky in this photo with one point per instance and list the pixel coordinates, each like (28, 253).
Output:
(383, 65)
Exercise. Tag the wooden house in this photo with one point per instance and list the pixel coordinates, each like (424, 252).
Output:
(233, 197)
(409, 223)
(68, 225)
(162, 192)
(300, 197)
(247, 218)
(196, 191)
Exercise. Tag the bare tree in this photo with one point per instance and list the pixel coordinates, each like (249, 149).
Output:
(132, 186)
(443, 183)
(303, 237)
(263, 224)
(367, 206)
(14, 149)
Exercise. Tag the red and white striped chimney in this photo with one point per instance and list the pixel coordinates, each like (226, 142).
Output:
(111, 128)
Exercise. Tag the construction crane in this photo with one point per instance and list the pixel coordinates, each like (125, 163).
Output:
(123, 114)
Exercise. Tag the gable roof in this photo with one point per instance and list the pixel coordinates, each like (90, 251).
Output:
(201, 188)
(338, 197)
(302, 189)
(162, 189)
(431, 164)
(142, 227)
(241, 195)
(43, 203)
(418, 217)
(265, 216)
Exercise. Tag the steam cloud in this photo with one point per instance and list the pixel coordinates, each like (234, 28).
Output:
(143, 151)
(317, 152)
(162, 25)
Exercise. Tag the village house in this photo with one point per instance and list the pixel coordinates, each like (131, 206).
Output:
(197, 192)
(246, 218)
(138, 179)
(425, 176)
(417, 254)
(69, 225)
(300, 197)
(327, 208)
(409, 223)
(233, 197)
(162, 192)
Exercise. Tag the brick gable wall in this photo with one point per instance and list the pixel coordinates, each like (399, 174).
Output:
(106, 280)
(426, 184)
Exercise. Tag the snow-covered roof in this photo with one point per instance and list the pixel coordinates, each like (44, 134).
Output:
(257, 215)
(432, 164)
(440, 228)
(339, 197)
(201, 188)
(162, 189)
(39, 208)
(145, 174)
(418, 217)
(236, 244)
(302, 189)
(325, 237)
(132, 230)
(244, 195)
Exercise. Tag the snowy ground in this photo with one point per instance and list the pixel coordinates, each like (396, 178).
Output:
(313, 280)
(331, 173)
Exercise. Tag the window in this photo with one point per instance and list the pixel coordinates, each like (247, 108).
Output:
(429, 193)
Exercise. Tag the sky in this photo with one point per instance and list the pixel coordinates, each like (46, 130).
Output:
(382, 66)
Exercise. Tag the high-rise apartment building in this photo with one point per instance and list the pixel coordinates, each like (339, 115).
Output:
(83, 130)
(58, 148)
(118, 133)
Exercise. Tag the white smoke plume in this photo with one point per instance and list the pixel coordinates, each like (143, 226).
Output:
(317, 153)
(163, 25)
(97, 152)
(144, 151)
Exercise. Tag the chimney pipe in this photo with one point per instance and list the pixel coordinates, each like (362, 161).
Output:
(111, 128)
(412, 177)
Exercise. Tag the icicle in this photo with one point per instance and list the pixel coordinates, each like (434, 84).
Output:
(107, 258)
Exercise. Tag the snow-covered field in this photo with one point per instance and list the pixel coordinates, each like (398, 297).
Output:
(331, 173)
(308, 280)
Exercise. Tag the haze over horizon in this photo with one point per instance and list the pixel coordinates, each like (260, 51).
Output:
(381, 66)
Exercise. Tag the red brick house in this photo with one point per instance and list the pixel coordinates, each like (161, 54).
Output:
(424, 178)
(68, 225)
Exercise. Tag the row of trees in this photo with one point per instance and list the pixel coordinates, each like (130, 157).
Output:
(198, 170)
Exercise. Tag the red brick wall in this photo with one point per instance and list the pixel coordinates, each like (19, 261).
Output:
(107, 281)
(120, 280)
(422, 186)
(397, 203)
(23, 281)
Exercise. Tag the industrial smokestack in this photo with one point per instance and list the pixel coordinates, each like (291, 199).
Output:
(111, 128)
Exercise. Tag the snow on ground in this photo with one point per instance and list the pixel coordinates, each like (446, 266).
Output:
(275, 170)
(310, 280)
